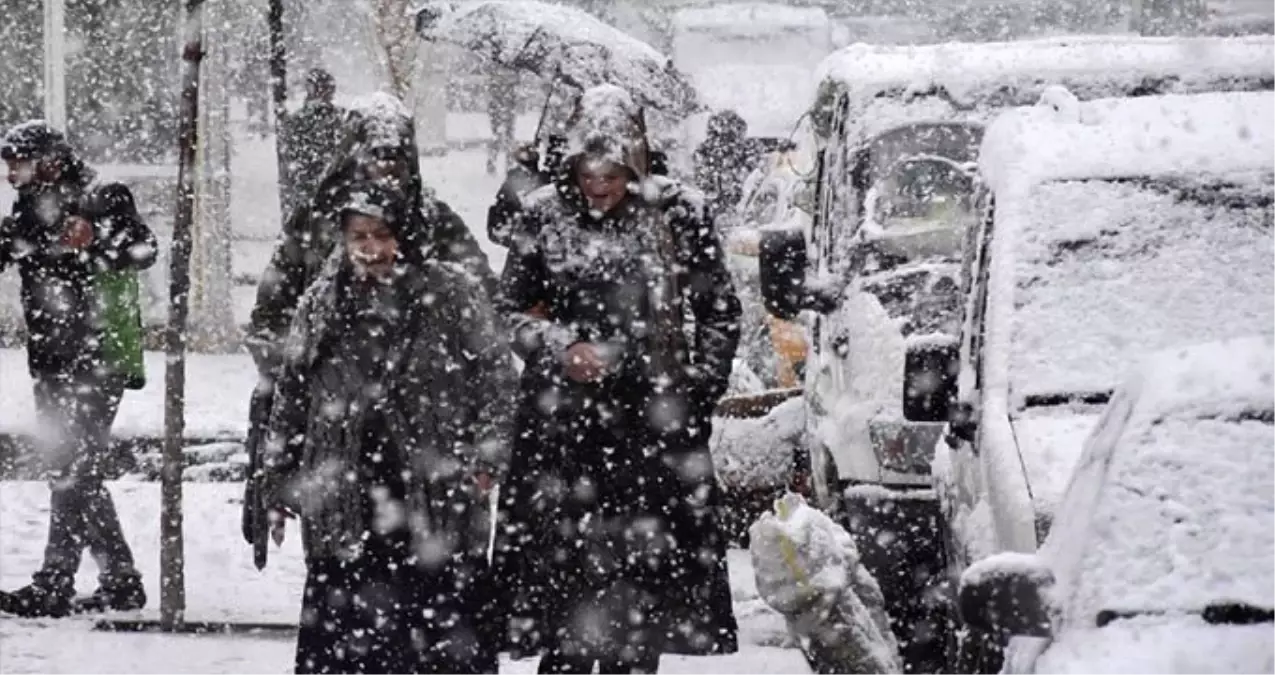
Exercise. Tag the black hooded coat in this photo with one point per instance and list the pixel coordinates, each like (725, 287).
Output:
(310, 232)
(608, 515)
(391, 399)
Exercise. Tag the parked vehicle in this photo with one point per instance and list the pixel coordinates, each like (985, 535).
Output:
(1159, 560)
(898, 131)
(1111, 229)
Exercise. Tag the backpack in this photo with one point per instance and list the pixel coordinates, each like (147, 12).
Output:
(119, 310)
(120, 313)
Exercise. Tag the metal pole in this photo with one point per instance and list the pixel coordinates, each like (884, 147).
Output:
(172, 604)
(279, 95)
(55, 63)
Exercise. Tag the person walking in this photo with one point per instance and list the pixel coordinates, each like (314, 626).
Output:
(390, 426)
(724, 160)
(610, 550)
(77, 246)
(310, 139)
(502, 112)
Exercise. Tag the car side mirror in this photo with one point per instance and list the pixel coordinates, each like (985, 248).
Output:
(929, 380)
(1005, 595)
(782, 264)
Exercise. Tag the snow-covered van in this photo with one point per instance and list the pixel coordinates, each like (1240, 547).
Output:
(879, 279)
(1160, 557)
(1111, 229)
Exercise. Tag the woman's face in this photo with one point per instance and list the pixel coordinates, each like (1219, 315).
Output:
(603, 183)
(371, 245)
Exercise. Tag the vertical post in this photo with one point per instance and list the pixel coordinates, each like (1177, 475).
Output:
(171, 553)
(55, 63)
(279, 95)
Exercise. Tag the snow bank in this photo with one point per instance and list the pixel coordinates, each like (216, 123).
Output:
(808, 568)
(964, 68)
(758, 452)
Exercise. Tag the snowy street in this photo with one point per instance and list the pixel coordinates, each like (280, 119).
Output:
(223, 585)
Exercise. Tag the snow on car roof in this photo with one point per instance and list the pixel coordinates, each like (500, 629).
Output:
(749, 17)
(960, 67)
(1146, 136)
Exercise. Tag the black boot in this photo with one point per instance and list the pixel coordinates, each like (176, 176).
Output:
(42, 598)
(123, 593)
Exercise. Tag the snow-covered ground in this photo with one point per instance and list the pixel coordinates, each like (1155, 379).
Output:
(223, 585)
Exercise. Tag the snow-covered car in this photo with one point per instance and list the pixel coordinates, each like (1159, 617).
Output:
(1112, 229)
(879, 278)
(1162, 554)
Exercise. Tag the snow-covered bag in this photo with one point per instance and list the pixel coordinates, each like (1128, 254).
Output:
(808, 569)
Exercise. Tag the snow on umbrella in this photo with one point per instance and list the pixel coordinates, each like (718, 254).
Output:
(559, 42)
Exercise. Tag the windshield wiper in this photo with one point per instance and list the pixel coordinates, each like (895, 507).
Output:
(1216, 614)
(1237, 614)
(1066, 398)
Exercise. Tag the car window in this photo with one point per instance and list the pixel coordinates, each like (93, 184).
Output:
(923, 299)
(1106, 271)
(763, 208)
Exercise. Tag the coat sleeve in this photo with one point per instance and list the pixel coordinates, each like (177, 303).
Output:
(278, 293)
(455, 243)
(491, 380)
(121, 240)
(501, 214)
(8, 237)
(524, 301)
(286, 433)
(713, 302)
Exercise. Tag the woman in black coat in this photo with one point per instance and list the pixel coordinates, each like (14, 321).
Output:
(624, 314)
(388, 429)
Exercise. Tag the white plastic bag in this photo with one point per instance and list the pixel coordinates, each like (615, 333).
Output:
(808, 569)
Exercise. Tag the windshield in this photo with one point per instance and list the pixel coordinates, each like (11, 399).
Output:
(920, 192)
(880, 158)
(921, 299)
(1108, 271)
(1183, 520)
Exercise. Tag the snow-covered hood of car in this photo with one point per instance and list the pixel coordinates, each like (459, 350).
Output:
(1158, 644)
(1050, 441)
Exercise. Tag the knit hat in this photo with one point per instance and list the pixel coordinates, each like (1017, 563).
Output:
(33, 139)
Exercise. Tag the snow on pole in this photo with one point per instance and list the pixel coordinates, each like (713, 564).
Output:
(172, 589)
(55, 63)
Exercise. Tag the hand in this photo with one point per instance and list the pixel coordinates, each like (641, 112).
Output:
(583, 362)
(484, 482)
(78, 233)
(278, 518)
